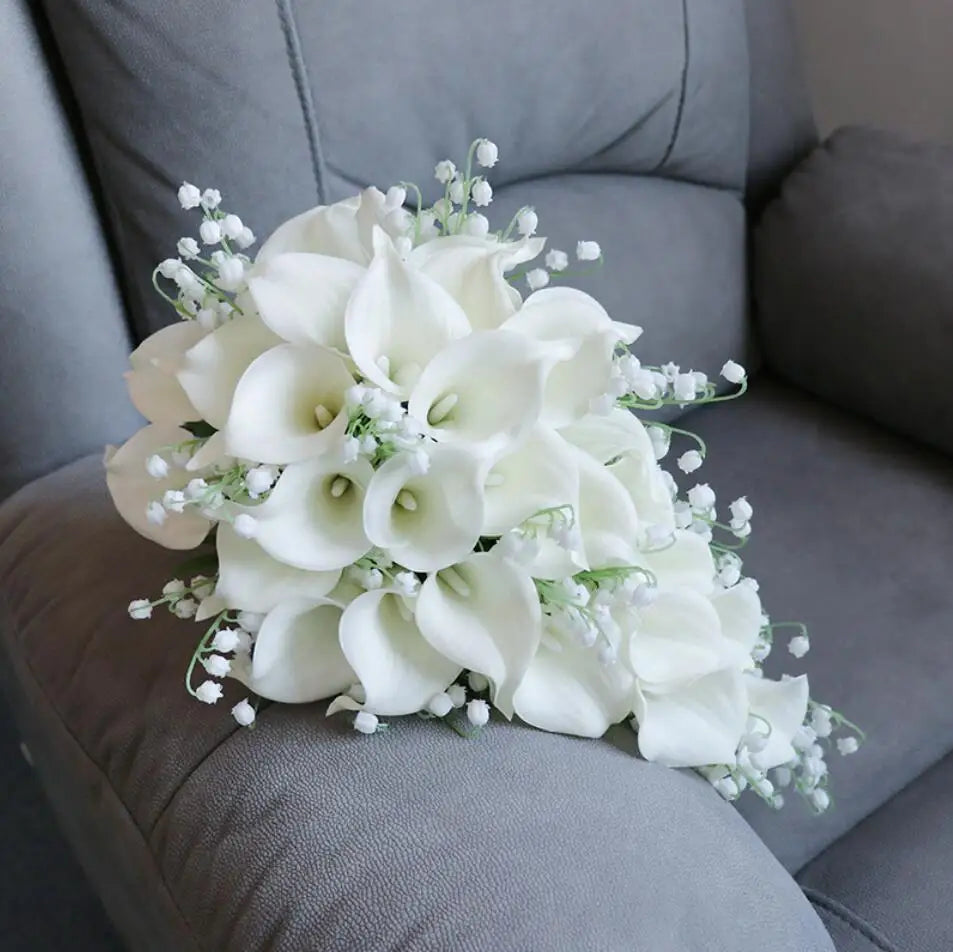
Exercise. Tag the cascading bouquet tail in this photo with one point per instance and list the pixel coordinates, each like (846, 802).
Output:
(414, 491)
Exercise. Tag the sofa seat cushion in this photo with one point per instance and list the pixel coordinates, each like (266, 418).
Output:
(887, 885)
(303, 834)
(852, 536)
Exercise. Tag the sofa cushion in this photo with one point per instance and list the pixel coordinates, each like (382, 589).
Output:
(303, 834)
(851, 535)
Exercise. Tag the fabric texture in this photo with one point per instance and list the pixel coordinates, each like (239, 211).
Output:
(891, 874)
(64, 340)
(304, 834)
(849, 541)
(853, 280)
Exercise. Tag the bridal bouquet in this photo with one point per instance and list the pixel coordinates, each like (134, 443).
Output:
(414, 491)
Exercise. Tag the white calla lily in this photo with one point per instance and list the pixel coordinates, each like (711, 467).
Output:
(313, 517)
(693, 724)
(153, 387)
(685, 563)
(398, 669)
(484, 615)
(289, 405)
(568, 314)
(210, 370)
(485, 389)
(472, 270)
(739, 609)
(303, 297)
(397, 319)
(570, 691)
(251, 580)
(679, 638)
(297, 656)
(211, 453)
(783, 704)
(133, 489)
(426, 521)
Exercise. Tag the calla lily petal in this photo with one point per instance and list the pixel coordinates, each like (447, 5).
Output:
(210, 453)
(739, 609)
(153, 387)
(132, 488)
(687, 563)
(695, 724)
(313, 517)
(472, 270)
(276, 414)
(783, 704)
(606, 437)
(399, 671)
(303, 297)
(297, 657)
(486, 389)
(212, 368)
(397, 319)
(251, 580)
(485, 617)
(431, 520)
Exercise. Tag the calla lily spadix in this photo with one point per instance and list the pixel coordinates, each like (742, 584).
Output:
(428, 520)
(313, 519)
(289, 405)
(398, 670)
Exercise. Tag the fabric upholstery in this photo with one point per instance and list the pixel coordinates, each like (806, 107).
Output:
(890, 876)
(64, 341)
(853, 280)
(308, 121)
(303, 834)
(850, 538)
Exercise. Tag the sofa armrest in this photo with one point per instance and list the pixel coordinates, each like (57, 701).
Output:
(854, 280)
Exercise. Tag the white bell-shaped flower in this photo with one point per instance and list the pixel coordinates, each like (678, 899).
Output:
(289, 405)
(297, 656)
(133, 489)
(250, 580)
(153, 387)
(397, 319)
(686, 563)
(398, 669)
(692, 724)
(485, 389)
(472, 269)
(484, 615)
(426, 521)
(341, 230)
(568, 314)
(302, 297)
(739, 609)
(313, 518)
(212, 368)
(783, 704)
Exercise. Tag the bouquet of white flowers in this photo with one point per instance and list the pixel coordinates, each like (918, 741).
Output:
(414, 491)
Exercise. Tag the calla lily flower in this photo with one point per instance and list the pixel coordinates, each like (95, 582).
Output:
(289, 405)
(686, 563)
(297, 657)
(251, 580)
(313, 518)
(485, 389)
(692, 724)
(303, 297)
(426, 521)
(399, 671)
(211, 369)
(153, 387)
(472, 270)
(397, 320)
(739, 609)
(783, 704)
(132, 488)
(483, 614)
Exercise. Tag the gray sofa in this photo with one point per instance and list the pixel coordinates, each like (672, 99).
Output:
(659, 128)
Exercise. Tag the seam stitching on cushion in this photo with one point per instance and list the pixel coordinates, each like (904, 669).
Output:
(850, 918)
(299, 75)
(680, 111)
(7, 615)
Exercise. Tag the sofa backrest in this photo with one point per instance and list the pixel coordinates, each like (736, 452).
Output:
(631, 116)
